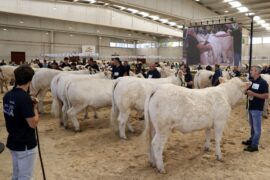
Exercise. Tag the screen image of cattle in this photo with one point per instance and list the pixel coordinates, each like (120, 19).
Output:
(213, 44)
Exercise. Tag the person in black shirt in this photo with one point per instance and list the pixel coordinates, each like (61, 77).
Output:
(188, 77)
(126, 67)
(265, 70)
(65, 63)
(92, 64)
(153, 72)
(209, 68)
(194, 48)
(21, 119)
(217, 74)
(257, 93)
(117, 69)
(3, 63)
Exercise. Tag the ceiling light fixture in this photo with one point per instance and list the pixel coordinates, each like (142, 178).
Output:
(119, 7)
(257, 18)
(132, 10)
(163, 20)
(243, 9)
(143, 14)
(172, 23)
(154, 17)
(235, 4)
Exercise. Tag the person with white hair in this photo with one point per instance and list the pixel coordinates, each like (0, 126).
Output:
(257, 93)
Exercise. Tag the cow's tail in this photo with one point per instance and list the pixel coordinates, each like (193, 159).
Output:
(115, 110)
(148, 129)
(56, 109)
(196, 80)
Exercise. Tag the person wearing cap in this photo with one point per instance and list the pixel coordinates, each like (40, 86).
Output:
(153, 72)
(257, 93)
(21, 118)
(117, 69)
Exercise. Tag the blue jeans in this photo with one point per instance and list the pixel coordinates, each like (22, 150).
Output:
(255, 119)
(23, 164)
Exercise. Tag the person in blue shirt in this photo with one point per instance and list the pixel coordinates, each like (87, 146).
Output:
(153, 72)
(21, 117)
(217, 74)
(257, 93)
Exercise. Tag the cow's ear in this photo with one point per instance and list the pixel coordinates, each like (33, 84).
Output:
(222, 79)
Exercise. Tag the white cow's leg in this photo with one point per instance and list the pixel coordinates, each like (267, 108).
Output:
(151, 151)
(218, 136)
(158, 143)
(130, 128)
(207, 139)
(265, 109)
(64, 118)
(86, 113)
(41, 97)
(72, 113)
(95, 113)
(122, 122)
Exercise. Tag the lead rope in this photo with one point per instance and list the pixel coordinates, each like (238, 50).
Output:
(40, 156)
(39, 152)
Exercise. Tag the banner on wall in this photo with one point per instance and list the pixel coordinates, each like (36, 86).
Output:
(88, 49)
(213, 44)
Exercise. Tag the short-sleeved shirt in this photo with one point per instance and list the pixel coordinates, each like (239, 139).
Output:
(153, 74)
(259, 86)
(188, 78)
(117, 72)
(17, 106)
(215, 80)
(193, 53)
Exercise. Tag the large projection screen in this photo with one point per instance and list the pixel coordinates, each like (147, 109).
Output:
(213, 44)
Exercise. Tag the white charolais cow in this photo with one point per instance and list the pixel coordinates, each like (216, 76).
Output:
(129, 93)
(6, 76)
(41, 82)
(266, 77)
(169, 107)
(60, 104)
(92, 92)
(203, 78)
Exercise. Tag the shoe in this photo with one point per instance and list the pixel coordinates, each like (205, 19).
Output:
(247, 143)
(251, 149)
(2, 147)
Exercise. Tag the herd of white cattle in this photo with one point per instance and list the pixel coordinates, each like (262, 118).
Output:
(165, 102)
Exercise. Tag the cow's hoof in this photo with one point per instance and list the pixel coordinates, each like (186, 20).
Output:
(219, 158)
(124, 137)
(77, 130)
(95, 117)
(162, 171)
(206, 149)
(61, 124)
